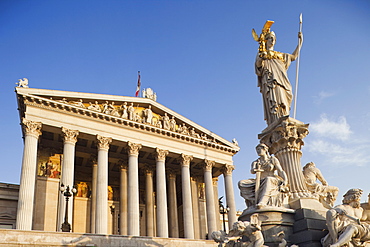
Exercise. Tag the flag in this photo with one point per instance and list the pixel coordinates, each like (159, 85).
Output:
(138, 84)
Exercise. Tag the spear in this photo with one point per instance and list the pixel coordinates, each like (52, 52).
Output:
(297, 70)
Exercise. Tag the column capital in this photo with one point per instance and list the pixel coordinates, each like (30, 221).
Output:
(31, 127)
(69, 135)
(122, 165)
(133, 148)
(185, 159)
(208, 164)
(94, 159)
(148, 170)
(215, 181)
(171, 173)
(160, 154)
(103, 142)
(228, 169)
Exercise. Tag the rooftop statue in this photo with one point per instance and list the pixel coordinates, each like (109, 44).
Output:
(271, 68)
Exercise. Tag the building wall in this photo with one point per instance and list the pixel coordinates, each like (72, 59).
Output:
(8, 205)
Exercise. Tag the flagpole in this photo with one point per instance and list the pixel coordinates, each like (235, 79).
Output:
(297, 70)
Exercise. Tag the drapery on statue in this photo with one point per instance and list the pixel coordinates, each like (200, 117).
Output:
(268, 189)
(344, 225)
(271, 68)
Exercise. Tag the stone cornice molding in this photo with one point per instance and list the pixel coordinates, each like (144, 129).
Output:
(31, 128)
(69, 136)
(160, 154)
(208, 164)
(103, 142)
(133, 149)
(186, 159)
(212, 141)
(228, 169)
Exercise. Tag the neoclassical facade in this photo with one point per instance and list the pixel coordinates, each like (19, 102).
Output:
(138, 167)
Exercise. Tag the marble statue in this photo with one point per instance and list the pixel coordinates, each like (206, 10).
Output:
(173, 124)
(325, 193)
(341, 216)
(366, 208)
(79, 103)
(235, 142)
(94, 107)
(22, 82)
(192, 133)
(124, 110)
(137, 118)
(250, 229)
(131, 112)
(166, 122)
(150, 94)
(148, 115)
(268, 189)
(112, 110)
(106, 107)
(271, 68)
(354, 235)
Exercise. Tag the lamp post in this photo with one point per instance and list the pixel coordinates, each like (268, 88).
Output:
(66, 227)
(223, 211)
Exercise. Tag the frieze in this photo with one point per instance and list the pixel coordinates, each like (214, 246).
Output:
(127, 114)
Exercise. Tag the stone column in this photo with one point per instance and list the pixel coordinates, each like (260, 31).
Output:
(285, 140)
(172, 204)
(210, 200)
(133, 210)
(186, 196)
(149, 201)
(229, 191)
(67, 174)
(32, 131)
(123, 200)
(162, 218)
(216, 204)
(93, 193)
(195, 203)
(101, 226)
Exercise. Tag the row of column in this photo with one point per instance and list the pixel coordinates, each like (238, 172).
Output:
(129, 202)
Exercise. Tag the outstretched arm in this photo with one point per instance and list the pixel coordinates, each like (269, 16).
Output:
(298, 48)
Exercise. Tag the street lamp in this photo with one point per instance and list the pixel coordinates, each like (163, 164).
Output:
(223, 211)
(66, 227)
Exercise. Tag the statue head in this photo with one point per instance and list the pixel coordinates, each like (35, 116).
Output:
(309, 165)
(260, 148)
(270, 40)
(353, 197)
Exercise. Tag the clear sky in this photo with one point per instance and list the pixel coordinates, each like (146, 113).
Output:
(198, 56)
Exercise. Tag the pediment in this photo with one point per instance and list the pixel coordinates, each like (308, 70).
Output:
(137, 112)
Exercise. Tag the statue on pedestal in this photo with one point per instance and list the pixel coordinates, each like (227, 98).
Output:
(271, 68)
(268, 189)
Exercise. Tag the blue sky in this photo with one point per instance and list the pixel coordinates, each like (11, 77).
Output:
(198, 56)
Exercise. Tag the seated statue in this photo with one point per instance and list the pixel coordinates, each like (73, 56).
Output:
(268, 189)
(354, 235)
(325, 193)
(341, 217)
(366, 207)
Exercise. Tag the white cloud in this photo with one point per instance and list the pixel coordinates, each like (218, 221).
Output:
(322, 95)
(339, 130)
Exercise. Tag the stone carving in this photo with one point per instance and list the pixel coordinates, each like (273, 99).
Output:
(235, 142)
(173, 124)
(133, 148)
(103, 142)
(166, 122)
(82, 189)
(70, 135)
(208, 165)
(94, 107)
(366, 207)
(131, 112)
(22, 83)
(250, 229)
(148, 115)
(160, 154)
(31, 127)
(78, 103)
(228, 169)
(137, 118)
(112, 110)
(186, 159)
(271, 68)
(124, 110)
(267, 189)
(192, 133)
(338, 219)
(148, 93)
(325, 193)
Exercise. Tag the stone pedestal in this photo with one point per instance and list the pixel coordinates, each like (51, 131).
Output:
(274, 221)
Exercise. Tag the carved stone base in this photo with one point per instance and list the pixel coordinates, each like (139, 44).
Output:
(274, 221)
